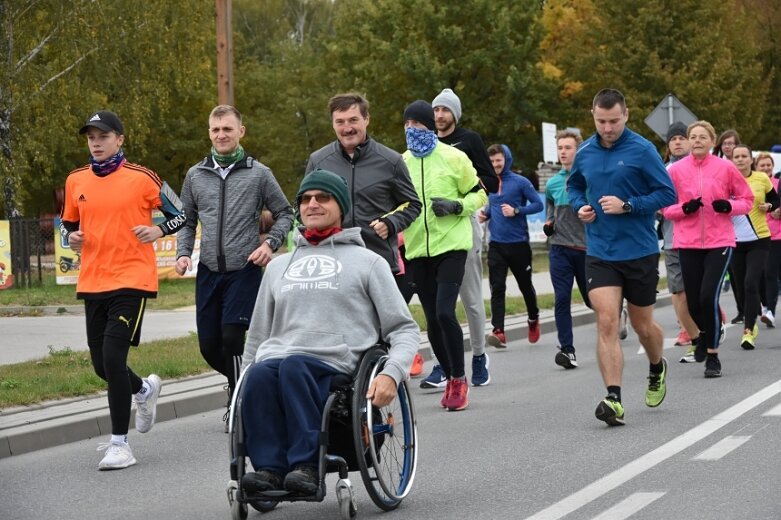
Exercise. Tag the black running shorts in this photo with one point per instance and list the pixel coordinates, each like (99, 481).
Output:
(638, 278)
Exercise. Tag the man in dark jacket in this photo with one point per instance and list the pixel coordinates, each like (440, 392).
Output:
(384, 200)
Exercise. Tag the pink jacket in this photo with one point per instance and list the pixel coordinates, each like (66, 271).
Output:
(711, 178)
(773, 223)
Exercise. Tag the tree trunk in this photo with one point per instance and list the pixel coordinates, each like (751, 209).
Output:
(7, 172)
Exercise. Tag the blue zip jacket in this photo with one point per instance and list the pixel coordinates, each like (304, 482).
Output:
(517, 191)
(631, 170)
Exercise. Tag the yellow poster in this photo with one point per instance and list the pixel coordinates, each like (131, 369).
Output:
(66, 260)
(6, 274)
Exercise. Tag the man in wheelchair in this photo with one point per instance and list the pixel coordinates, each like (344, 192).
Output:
(318, 309)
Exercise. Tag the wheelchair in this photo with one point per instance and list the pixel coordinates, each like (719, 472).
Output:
(380, 443)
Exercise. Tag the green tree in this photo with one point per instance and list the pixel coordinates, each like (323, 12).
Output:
(486, 51)
(704, 52)
(149, 62)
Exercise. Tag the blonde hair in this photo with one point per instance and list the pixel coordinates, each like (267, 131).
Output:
(704, 124)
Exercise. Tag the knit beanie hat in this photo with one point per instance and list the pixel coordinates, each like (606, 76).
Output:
(448, 99)
(421, 112)
(676, 128)
(328, 182)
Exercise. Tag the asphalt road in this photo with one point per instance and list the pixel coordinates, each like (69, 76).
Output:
(527, 447)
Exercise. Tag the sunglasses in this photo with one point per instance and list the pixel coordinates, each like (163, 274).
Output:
(321, 198)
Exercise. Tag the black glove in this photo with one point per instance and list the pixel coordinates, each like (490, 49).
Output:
(721, 206)
(692, 206)
(444, 207)
(548, 229)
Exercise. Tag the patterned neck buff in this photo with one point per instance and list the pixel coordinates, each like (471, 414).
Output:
(227, 160)
(110, 165)
(420, 142)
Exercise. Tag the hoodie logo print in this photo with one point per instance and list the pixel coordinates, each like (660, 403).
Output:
(312, 272)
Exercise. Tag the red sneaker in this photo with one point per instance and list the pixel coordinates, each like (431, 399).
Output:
(417, 366)
(534, 331)
(459, 394)
(683, 339)
(497, 339)
(446, 396)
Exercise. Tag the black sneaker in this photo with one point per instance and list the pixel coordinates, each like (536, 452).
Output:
(303, 479)
(737, 319)
(261, 481)
(566, 359)
(712, 367)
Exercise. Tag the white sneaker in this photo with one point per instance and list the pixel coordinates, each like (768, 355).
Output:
(622, 330)
(146, 410)
(768, 319)
(118, 456)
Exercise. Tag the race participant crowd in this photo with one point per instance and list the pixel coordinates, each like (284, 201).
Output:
(370, 227)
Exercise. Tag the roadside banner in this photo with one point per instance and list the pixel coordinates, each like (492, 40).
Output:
(6, 273)
(67, 261)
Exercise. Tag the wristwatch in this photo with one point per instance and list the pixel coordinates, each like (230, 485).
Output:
(516, 211)
(273, 243)
(627, 207)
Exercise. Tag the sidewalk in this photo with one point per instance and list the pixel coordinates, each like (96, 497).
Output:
(53, 423)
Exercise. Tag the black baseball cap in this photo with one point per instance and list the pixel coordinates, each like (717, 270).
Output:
(106, 121)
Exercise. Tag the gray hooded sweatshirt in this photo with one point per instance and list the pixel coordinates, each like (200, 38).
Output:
(333, 302)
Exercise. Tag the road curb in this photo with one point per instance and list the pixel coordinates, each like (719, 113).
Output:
(27, 429)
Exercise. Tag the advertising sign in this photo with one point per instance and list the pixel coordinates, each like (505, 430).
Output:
(6, 273)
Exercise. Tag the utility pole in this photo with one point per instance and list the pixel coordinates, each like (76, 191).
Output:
(224, 53)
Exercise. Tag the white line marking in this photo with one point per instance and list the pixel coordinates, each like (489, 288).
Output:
(629, 506)
(723, 447)
(775, 411)
(642, 464)
(668, 344)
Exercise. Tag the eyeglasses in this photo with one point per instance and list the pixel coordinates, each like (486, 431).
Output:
(321, 198)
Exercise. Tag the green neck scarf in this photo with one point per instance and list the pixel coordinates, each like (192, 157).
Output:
(226, 160)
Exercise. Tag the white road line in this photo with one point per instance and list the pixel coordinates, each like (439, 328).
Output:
(775, 411)
(723, 447)
(629, 506)
(642, 464)
(668, 344)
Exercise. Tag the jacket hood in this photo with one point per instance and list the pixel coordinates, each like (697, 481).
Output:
(508, 159)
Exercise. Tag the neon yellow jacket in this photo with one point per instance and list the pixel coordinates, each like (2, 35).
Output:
(445, 173)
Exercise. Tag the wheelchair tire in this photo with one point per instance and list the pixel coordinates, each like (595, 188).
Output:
(387, 458)
(263, 507)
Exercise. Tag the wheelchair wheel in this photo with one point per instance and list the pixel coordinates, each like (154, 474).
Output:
(263, 507)
(385, 438)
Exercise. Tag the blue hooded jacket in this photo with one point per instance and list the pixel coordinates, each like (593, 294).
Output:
(517, 191)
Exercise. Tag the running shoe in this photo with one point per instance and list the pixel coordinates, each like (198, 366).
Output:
(683, 339)
(417, 366)
(534, 330)
(566, 359)
(689, 356)
(769, 319)
(480, 375)
(611, 411)
(459, 395)
(497, 339)
(146, 409)
(623, 332)
(755, 331)
(712, 367)
(737, 319)
(118, 456)
(446, 394)
(657, 387)
(747, 342)
(436, 379)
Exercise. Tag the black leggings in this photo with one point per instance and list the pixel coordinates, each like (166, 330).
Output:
(438, 280)
(111, 325)
(703, 272)
(517, 257)
(225, 356)
(748, 264)
(772, 272)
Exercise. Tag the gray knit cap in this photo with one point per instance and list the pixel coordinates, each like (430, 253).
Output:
(448, 99)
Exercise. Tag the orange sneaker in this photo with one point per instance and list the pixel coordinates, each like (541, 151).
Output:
(417, 366)
(534, 331)
(683, 339)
